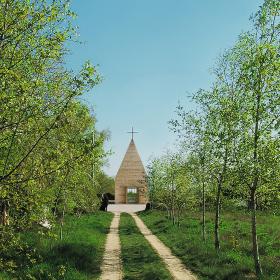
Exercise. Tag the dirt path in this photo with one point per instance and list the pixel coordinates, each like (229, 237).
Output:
(127, 208)
(174, 265)
(111, 267)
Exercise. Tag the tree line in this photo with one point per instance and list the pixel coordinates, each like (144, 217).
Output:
(51, 153)
(230, 143)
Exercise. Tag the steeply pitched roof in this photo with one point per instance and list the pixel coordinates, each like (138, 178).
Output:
(131, 164)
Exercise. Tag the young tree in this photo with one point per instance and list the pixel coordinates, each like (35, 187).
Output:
(46, 147)
(36, 89)
(258, 55)
(169, 185)
(195, 142)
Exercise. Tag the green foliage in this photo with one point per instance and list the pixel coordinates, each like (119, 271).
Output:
(106, 184)
(51, 152)
(169, 185)
(231, 140)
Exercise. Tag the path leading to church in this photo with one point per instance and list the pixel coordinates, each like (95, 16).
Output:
(174, 265)
(111, 267)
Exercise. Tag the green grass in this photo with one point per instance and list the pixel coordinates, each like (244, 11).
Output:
(4, 276)
(234, 261)
(79, 253)
(140, 262)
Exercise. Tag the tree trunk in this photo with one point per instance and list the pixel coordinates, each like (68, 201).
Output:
(173, 215)
(203, 212)
(254, 233)
(217, 216)
(61, 230)
(218, 199)
(253, 189)
(4, 215)
(178, 216)
(62, 223)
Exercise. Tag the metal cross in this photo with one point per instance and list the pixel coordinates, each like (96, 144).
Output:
(132, 132)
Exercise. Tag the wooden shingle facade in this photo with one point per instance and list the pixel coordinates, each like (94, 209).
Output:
(130, 181)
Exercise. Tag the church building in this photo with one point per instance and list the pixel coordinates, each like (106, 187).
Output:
(130, 181)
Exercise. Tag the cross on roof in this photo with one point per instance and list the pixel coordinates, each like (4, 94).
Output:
(132, 132)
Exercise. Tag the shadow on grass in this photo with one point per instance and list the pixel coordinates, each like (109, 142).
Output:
(82, 257)
(77, 257)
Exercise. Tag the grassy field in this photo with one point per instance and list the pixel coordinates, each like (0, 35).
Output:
(234, 261)
(140, 262)
(78, 256)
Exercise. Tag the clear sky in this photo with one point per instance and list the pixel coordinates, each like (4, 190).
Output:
(151, 53)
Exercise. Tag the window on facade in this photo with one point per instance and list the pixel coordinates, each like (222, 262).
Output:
(132, 190)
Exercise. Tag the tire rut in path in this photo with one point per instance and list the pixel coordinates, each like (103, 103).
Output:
(174, 265)
(111, 267)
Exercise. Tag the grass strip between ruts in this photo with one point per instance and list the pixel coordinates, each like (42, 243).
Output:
(140, 261)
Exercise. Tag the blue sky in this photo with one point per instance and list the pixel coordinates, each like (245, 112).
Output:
(151, 54)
